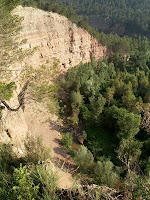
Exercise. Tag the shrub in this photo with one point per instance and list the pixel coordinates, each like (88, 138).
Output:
(83, 158)
(5, 186)
(67, 139)
(8, 158)
(106, 173)
(36, 152)
(142, 188)
(24, 188)
(46, 179)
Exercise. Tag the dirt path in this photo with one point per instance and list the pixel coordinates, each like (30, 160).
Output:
(42, 123)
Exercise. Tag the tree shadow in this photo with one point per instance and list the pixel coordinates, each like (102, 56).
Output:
(61, 150)
(55, 126)
(58, 141)
(69, 167)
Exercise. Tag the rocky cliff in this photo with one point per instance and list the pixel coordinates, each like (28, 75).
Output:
(56, 37)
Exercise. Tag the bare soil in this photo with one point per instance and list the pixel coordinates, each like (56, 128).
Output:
(44, 124)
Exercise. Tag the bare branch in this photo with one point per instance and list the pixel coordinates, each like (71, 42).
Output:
(21, 98)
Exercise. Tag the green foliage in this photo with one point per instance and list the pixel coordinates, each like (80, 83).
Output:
(9, 4)
(129, 151)
(124, 122)
(76, 99)
(26, 182)
(128, 13)
(128, 98)
(43, 87)
(67, 139)
(113, 128)
(83, 158)
(36, 152)
(46, 179)
(97, 105)
(109, 95)
(6, 192)
(106, 173)
(107, 126)
(24, 188)
(142, 189)
(102, 142)
(8, 161)
(8, 158)
(6, 90)
(121, 80)
(147, 96)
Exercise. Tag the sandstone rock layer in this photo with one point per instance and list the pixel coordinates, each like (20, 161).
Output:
(56, 37)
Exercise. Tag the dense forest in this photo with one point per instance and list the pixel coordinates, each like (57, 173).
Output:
(134, 15)
(110, 101)
(106, 101)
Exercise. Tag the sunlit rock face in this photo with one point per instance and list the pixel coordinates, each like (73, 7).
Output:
(56, 37)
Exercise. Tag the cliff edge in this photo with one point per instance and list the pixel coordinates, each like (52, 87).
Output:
(56, 37)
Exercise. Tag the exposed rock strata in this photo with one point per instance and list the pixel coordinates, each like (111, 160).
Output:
(56, 36)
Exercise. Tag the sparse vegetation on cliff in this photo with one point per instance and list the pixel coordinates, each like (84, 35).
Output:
(29, 177)
(107, 98)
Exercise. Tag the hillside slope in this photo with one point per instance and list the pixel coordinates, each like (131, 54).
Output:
(53, 36)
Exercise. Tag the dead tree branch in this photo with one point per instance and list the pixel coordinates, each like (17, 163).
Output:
(21, 98)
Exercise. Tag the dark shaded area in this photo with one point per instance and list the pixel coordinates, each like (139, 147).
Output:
(89, 193)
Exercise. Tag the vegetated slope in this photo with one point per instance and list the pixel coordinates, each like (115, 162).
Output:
(89, 100)
(57, 37)
(130, 15)
(111, 99)
(48, 36)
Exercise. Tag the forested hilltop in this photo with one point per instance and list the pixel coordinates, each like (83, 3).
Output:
(134, 15)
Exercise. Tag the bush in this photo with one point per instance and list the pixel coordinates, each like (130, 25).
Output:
(46, 179)
(8, 159)
(67, 139)
(5, 186)
(24, 188)
(36, 152)
(106, 173)
(83, 158)
(142, 188)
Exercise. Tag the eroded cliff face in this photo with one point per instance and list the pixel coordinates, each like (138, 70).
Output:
(56, 37)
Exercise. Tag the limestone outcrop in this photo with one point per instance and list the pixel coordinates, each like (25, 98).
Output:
(56, 37)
